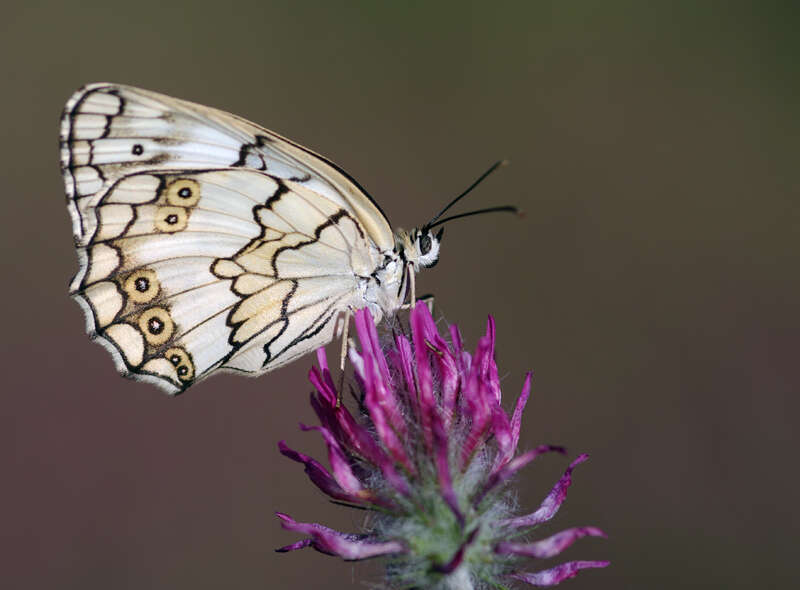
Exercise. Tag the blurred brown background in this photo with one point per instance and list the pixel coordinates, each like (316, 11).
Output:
(653, 285)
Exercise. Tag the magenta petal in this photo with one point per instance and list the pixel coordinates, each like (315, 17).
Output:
(303, 543)
(508, 470)
(375, 372)
(348, 547)
(318, 380)
(394, 478)
(449, 379)
(477, 401)
(339, 422)
(351, 435)
(550, 546)
(370, 345)
(341, 467)
(550, 505)
(324, 380)
(492, 378)
(322, 359)
(457, 340)
(516, 424)
(405, 364)
(403, 361)
(360, 442)
(448, 376)
(320, 476)
(501, 429)
(443, 470)
(420, 317)
(385, 413)
(557, 574)
(516, 419)
(385, 430)
(462, 357)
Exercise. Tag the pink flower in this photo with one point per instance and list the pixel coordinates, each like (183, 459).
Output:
(430, 454)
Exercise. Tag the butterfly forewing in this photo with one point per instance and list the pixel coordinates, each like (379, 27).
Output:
(110, 130)
(205, 241)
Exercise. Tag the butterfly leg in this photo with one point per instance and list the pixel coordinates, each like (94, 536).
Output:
(345, 334)
(343, 355)
(428, 299)
(413, 283)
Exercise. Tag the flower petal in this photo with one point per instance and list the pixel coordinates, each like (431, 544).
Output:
(342, 472)
(384, 412)
(508, 470)
(354, 438)
(550, 546)
(448, 374)
(402, 360)
(556, 574)
(370, 345)
(477, 401)
(516, 424)
(501, 429)
(457, 340)
(443, 469)
(325, 540)
(321, 378)
(491, 376)
(301, 544)
(322, 478)
(550, 505)
(420, 316)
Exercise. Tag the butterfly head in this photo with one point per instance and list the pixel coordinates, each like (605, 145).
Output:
(420, 247)
(426, 246)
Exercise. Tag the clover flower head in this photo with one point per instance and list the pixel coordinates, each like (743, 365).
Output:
(430, 454)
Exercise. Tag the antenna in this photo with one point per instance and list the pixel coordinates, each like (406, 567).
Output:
(495, 166)
(509, 208)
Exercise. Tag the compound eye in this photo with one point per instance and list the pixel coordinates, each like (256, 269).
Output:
(424, 243)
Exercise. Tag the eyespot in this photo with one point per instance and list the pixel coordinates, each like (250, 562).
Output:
(182, 362)
(183, 192)
(156, 325)
(141, 286)
(171, 219)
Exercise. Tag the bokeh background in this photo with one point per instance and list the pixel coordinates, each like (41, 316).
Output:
(653, 285)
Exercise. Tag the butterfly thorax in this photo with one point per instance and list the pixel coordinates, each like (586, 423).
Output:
(386, 289)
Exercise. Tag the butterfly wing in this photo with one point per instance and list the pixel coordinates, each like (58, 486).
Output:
(109, 131)
(204, 241)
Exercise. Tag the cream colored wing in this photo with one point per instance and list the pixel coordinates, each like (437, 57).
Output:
(110, 131)
(189, 272)
(207, 242)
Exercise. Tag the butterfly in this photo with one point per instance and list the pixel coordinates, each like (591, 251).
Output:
(208, 243)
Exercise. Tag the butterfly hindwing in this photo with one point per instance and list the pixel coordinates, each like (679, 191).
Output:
(191, 271)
